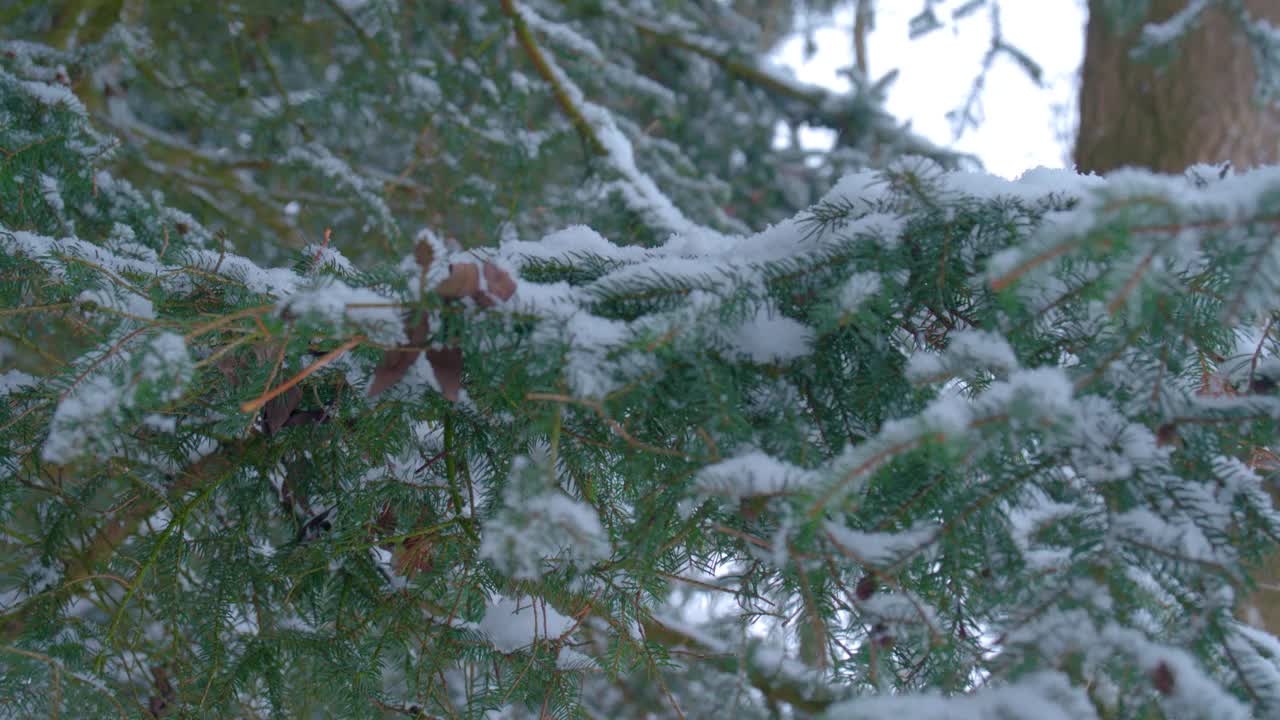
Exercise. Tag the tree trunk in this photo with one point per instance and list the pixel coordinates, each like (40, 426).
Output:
(1197, 108)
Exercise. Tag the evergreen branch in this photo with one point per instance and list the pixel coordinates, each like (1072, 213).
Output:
(223, 320)
(1130, 283)
(451, 452)
(177, 521)
(35, 308)
(113, 532)
(1007, 277)
(323, 360)
(875, 460)
(602, 135)
(737, 390)
(372, 48)
(614, 425)
(742, 70)
(59, 669)
(549, 74)
(97, 362)
(776, 687)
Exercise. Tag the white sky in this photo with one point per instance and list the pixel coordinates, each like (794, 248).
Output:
(1023, 125)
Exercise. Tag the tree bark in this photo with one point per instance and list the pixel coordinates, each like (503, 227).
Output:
(1197, 108)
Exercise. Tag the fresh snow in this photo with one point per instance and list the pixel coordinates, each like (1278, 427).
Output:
(966, 350)
(881, 549)
(858, 289)
(769, 337)
(121, 300)
(85, 418)
(751, 474)
(532, 532)
(705, 278)
(339, 305)
(1039, 696)
(13, 380)
(511, 626)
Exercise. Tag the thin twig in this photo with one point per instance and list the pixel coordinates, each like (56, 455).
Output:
(613, 424)
(548, 73)
(255, 405)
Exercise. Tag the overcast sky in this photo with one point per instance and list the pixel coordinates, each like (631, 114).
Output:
(1023, 125)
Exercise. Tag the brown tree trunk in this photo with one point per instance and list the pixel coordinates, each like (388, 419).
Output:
(1197, 108)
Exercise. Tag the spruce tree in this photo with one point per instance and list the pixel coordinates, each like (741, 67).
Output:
(427, 359)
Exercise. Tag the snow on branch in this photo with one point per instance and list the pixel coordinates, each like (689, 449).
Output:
(939, 430)
(598, 128)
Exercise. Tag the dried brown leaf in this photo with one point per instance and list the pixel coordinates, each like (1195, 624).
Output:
(447, 365)
(463, 281)
(499, 284)
(414, 555)
(289, 500)
(277, 411)
(304, 417)
(386, 522)
(1162, 678)
(396, 363)
(866, 587)
(231, 368)
(266, 352)
(424, 254)
(752, 507)
(382, 526)
(882, 636)
(161, 704)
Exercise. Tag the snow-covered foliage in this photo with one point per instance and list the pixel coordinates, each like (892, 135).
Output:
(620, 432)
(539, 528)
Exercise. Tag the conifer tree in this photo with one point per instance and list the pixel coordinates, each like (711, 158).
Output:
(389, 359)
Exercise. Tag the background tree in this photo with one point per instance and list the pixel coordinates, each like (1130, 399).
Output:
(470, 346)
(1167, 84)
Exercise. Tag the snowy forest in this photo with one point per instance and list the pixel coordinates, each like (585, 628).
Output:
(516, 359)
